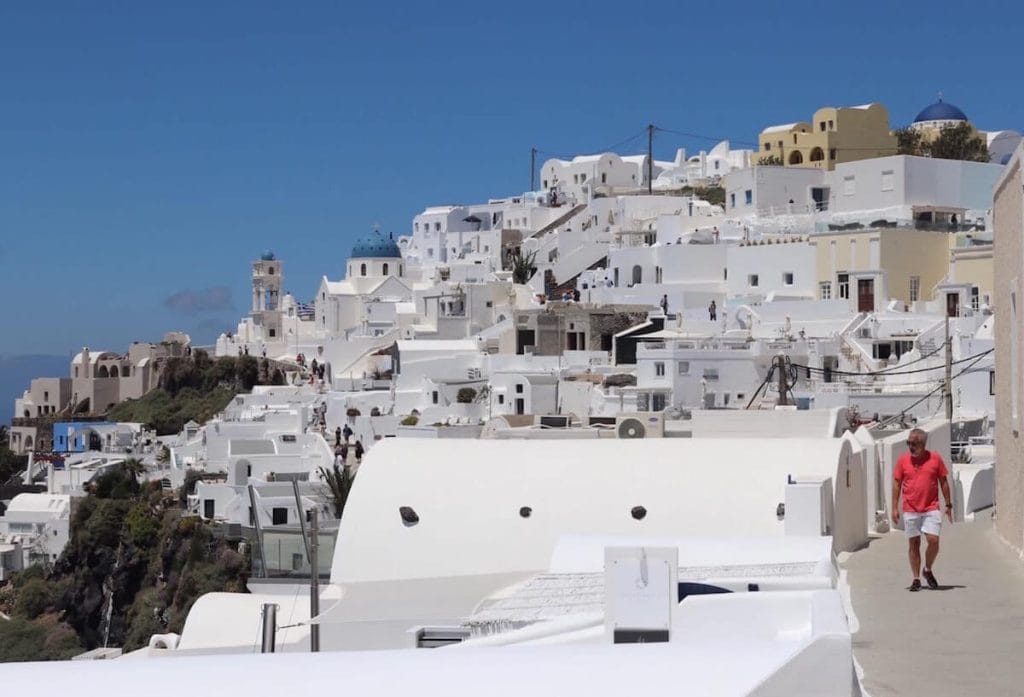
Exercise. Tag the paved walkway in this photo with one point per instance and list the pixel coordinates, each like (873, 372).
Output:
(967, 638)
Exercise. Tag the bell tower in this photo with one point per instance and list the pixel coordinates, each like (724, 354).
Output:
(267, 279)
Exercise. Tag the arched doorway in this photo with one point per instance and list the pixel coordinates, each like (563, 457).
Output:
(796, 157)
(638, 275)
(817, 155)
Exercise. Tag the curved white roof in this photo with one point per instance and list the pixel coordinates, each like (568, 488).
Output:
(468, 498)
(781, 127)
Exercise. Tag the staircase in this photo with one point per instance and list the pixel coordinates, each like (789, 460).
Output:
(559, 221)
(554, 289)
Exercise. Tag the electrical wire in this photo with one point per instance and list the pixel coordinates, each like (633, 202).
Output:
(904, 411)
(891, 371)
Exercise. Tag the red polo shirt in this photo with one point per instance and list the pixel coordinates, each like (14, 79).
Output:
(920, 477)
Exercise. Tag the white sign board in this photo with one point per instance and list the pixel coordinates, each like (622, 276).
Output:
(641, 589)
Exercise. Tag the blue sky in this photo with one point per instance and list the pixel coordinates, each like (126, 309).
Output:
(148, 153)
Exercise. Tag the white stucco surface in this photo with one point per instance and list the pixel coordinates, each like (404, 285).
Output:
(468, 497)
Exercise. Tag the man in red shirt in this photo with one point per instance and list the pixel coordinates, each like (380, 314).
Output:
(918, 476)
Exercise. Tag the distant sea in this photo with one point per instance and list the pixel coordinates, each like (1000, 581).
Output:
(16, 372)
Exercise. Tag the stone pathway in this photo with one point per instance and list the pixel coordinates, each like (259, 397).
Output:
(967, 638)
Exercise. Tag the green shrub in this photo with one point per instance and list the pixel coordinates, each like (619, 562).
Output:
(410, 420)
(465, 395)
(34, 598)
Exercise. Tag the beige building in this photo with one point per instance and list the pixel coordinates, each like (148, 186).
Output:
(1008, 220)
(834, 135)
(973, 268)
(869, 267)
(97, 381)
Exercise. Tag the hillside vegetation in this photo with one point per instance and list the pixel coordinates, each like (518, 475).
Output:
(131, 549)
(195, 388)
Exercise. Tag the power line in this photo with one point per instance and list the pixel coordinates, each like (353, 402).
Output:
(937, 389)
(892, 371)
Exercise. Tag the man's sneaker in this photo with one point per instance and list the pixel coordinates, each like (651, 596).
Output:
(915, 586)
(930, 578)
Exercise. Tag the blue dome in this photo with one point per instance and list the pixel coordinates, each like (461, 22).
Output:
(940, 111)
(376, 245)
(267, 256)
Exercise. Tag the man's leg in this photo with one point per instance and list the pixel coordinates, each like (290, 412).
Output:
(931, 550)
(915, 555)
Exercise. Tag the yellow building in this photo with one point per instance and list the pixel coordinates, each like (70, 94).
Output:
(974, 268)
(869, 267)
(834, 135)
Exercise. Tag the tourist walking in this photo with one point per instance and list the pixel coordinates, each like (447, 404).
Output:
(347, 433)
(664, 305)
(918, 475)
(359, 452)
(337, 436)
(712, 311)
(344, 455)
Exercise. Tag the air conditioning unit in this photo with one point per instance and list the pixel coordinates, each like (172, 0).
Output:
(640, 425)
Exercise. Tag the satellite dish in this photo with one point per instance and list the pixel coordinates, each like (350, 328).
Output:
(631, 428)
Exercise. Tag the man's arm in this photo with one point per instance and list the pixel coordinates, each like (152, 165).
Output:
(896, 486)
(944, 483)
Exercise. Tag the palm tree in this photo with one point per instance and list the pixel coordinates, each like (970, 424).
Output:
(163, 458)
(338, 484)
(133, 466)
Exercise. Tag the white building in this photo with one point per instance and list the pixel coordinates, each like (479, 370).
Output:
(39, 524)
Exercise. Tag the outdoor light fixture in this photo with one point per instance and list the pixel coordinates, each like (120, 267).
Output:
(638, 512)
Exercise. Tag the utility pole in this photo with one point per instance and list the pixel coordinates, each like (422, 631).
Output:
(650, 158)
(780, 368)
(533, 169)
(947, 386)
(314, 581)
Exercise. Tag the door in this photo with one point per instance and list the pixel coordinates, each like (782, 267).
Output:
(520, 406)
(865, 295)
(952, 304)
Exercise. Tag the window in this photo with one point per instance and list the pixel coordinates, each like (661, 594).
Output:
(849, 186)
(273, 332)
(794, 139)
(435, 396)
(767, 146)
(659, 369)
(831, 153)
(888, 180)
(604, 177)
(208, 508)
(545, 183)
(684, 367)
(915, 288)
(362, 269)
(519, 388)
(437, 226)
(711, 373)
(416, 227)
(46, 396)
(822, 124)
(843, 281)
(831, 125)
(288, 438)
(657, 274)
(752, 280)
(748, 196)
(280, 516)
(732, 200)
(975, 299)
(384, 269)
(787, 278)
(638, 275)
(658, 401)
(76, 371)
(825, 290)
(501, 399)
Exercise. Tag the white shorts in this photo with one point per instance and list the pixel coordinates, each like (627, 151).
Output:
(929, 523)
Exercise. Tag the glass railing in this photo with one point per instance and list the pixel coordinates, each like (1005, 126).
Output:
(284, 553)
